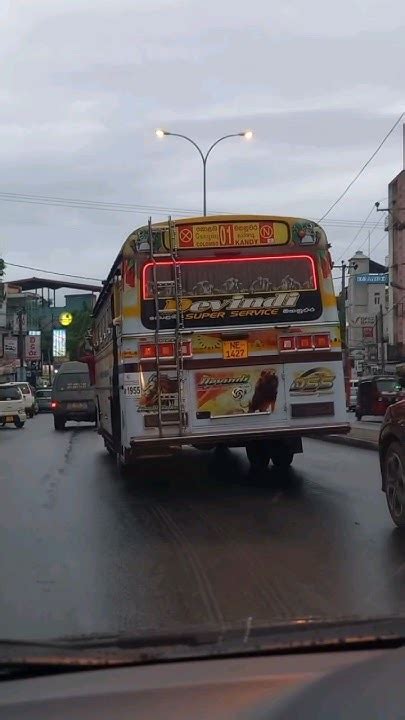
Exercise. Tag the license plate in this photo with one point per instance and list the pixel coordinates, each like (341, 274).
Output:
(77, 406)
(9, 418)
(234, 349)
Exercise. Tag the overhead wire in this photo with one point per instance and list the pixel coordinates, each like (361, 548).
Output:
(119, 207)
(362, 169)
(52, 272)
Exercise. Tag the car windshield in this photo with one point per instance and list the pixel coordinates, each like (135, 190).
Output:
(202, 298)
(10, 393)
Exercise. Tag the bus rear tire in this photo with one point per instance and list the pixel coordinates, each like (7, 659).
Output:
(282, 458)
(258, 453)
(122, 467)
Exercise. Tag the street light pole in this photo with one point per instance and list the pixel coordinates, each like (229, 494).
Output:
(248, 134)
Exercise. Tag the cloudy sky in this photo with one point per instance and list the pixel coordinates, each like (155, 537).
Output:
(84, 84)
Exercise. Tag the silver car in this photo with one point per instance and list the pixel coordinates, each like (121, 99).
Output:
(43, 398)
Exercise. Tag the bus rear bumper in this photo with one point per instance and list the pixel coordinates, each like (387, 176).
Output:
(234, 439)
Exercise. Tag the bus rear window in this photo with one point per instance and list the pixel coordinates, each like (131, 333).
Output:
(233, 291)
(221, 277)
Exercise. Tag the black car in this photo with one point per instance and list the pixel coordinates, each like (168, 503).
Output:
(392, 460)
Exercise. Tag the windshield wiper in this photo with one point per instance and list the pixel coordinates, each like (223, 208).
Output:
(102, 651)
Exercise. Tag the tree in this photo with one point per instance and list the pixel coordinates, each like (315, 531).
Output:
(76, 332)
(2, 267)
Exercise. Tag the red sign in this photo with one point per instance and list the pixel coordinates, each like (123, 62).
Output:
(368, 333)
(186, 236)
(33, 347)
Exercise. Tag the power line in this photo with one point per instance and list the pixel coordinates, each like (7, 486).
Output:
(383, 237)
(356, 177)
(52, 272)
(367, 238)
(357, 234)
(111, 206)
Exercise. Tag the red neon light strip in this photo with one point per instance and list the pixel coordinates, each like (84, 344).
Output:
(271, 258)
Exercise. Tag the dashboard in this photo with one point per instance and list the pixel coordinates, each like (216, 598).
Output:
(331, 685)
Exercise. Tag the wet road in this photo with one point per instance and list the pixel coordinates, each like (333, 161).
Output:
(187, 541)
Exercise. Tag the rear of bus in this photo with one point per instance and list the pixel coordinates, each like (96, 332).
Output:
(261, 352)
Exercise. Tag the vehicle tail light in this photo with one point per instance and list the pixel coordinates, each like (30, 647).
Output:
(322, 341)
(286, 343)
(147, 352)
(167, 350)
(54, 404)
(304, 342)
(319, 341)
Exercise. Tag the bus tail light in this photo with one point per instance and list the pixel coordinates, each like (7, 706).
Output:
(289, 343)
(304, 342)
(286, 343)
(167, 350)
(147, 352)
(322, 341)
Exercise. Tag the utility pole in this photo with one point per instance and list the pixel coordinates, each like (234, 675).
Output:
(381, 338)
(343, 329)
(21, 349)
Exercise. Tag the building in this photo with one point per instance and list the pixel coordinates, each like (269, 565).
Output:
(366, 313)
(6, 367)
(396, 245)
(35, 299)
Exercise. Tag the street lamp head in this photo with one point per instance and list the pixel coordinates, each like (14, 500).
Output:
(248, 134)
(160, 133)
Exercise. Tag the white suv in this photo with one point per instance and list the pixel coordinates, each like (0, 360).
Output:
(12, 405)
(28, 396)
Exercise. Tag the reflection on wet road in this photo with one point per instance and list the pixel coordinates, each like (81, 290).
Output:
(193, 540)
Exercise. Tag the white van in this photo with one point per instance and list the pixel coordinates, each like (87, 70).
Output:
(12, 406)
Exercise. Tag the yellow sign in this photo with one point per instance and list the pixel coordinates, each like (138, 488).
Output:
(65, 319)
(235, 349)
(241, 234)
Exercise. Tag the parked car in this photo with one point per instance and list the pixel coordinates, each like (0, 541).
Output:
(12, 406)
(392, 461)
(28, 395)
(44, 399)
(72, 395)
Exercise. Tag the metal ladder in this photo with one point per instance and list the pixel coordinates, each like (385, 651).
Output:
(177, 363)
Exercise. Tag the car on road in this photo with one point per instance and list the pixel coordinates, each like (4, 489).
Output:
(44, 399)
(12, 406)
(28, 396)
(392, 460)
(72, 395)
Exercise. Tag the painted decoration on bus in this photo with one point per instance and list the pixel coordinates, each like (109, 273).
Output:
(314, 380)
(232, 234)
(234, 392)
(167, 388)
(306, 233)
(232, 291)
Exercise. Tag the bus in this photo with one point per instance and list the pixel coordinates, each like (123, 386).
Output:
(219, 331)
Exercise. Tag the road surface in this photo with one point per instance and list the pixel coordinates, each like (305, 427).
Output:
(193, 540)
